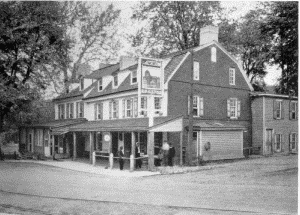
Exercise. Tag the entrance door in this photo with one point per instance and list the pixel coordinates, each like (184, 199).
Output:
(47, 144)
(268, 142)
(115, 138)
(127, 143)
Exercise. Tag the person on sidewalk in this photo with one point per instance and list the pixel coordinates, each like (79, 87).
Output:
(138, 162)
(121, 157)
(165, 148)
(171, 155)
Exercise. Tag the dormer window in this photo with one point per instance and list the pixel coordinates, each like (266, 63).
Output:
(100, 85)
(81, 84)
(133, 77)
(115, 80)
(232, 76)
(213, 54)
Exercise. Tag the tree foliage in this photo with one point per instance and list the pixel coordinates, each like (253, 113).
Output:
(281, 24)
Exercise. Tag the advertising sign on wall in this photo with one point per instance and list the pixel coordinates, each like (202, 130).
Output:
(151, 76)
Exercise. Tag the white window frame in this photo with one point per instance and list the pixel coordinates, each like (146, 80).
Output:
(46, 139)
(61, 111)
(133, 78)
(143, 106)
(231, 76)
(234, 108)
(80, 111)
(70, 110)
(115, 79)
(196, 73)
(157, 105)
(280, 108)
(114, 109)
(293, 140)
(295, 104)
(197, 106)
(39, 137)
(99, 112)
(128, 109)
(276, 142)
(100, 84)
(213, 54)
(81, 84)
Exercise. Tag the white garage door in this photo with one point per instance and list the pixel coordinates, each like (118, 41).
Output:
(224, 144)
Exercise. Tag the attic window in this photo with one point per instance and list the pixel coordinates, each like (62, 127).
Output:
(115, 80)
(81, 83)
(213, 54)
(100, 85)
(133, 77)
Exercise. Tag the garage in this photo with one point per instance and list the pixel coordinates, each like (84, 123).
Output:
(226, 141)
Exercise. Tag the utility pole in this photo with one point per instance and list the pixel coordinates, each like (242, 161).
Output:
(190, 132)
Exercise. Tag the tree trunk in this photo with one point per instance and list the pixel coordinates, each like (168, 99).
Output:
(1, 120)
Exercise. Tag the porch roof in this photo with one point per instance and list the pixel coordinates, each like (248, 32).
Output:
(216, 125)
(56, 123)
(136, 124)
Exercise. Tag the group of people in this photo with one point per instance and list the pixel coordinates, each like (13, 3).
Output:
(166, 155)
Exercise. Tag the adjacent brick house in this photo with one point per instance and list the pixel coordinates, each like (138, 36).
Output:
(274, 123)
(112, 107)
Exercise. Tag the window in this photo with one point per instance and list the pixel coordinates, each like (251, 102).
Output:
(115, 80)
(278, 142)
(81, 84)
(157, 103)
(100, 86)
(46, 138)
(61, 111)
(213, 54)
(232, 76)
(128, 108)
(197, 106)
(135, 106)
(133, 77)
(143, 106)
(80, 109)
(98, 111)
(196, 70)
(233, 108)
(293, 141)
(39, 137)
(114, 110)
(293, 110)
(278, 110)
(70, 110)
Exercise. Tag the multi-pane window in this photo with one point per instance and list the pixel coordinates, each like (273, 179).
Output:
(128, 108)
(157, 103)
(115, 80)
(114, 109)
(61, 111)
(39, 137)
(293, 110)
(293, 141)
(233, 108)
(278, 142)
(196, 70)
(197, 106)
(135, 106)
(81, 83)
(46, 138)
(100, 85)
(143, 106)
(232, 76)
(213, 54)
(134, 77)
(278, 111)
(80, 109)
(99, 110)
(70, 110)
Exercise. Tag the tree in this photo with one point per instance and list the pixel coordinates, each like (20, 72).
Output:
(30, 32)
(281, 25)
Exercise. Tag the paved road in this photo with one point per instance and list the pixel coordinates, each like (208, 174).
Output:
(265, 185)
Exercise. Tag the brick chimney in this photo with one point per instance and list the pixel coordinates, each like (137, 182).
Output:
(208, 34)
(126, 62)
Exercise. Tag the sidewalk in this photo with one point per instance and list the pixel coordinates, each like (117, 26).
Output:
(88, 168)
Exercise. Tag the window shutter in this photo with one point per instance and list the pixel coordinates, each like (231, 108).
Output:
(282, 111)
(110, 111)
(189, 102)
(290, 141)
(290, 110)
(228, 107)
(95, 110)
(123, 110)
(131, 101)
(238, 108)
(135, 106)
(201, 107)
(117, 109)
(274, 109)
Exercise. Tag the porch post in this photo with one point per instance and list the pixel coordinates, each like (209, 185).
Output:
(33, 139)
(53, 148)
(150, 150)
(91, 146)
(181, 144)
(74, 146)
(132, 161)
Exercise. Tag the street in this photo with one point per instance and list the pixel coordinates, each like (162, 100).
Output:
(253, 186)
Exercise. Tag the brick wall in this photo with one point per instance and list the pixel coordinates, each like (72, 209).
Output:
(257, 123)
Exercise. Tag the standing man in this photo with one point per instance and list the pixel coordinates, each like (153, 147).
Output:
(138, 163)
(121, 156)
(171, 155)
(165, 148)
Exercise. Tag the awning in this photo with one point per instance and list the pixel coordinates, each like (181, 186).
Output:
(170, 125)
(133, 124)
(60, 131)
